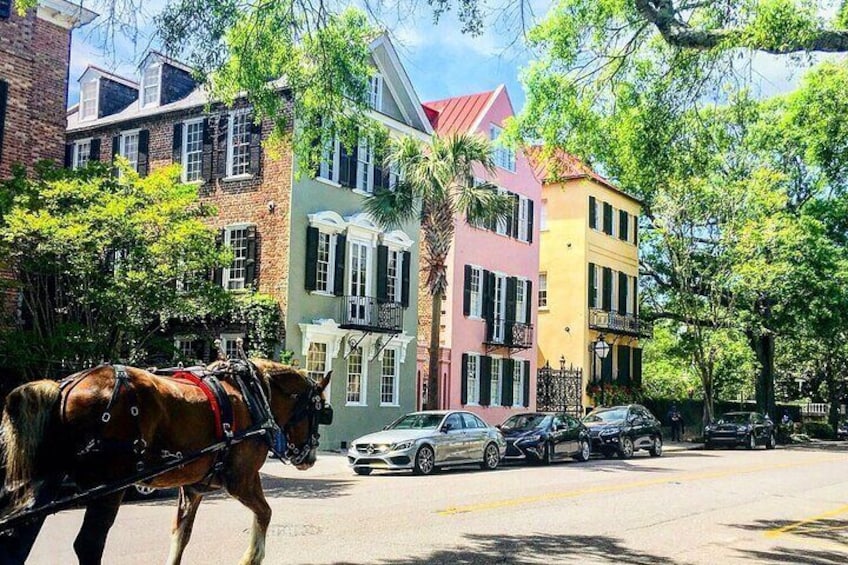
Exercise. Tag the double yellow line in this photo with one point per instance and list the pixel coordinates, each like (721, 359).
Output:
(788, 529)
(687, 477)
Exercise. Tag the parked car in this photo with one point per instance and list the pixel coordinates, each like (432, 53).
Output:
(425, 441)
(740, 428)
(544, 438)
(623, 430)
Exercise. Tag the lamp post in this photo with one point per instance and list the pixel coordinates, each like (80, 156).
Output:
(601, 349)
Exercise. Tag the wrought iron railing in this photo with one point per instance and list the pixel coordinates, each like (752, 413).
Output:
(509, 333)
(370, 314)
(601, 320)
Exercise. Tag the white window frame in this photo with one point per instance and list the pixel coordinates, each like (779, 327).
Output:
(543, 288)
(179, 340)
(614, 291)
(518, 377)
(504, 157)
(543, 215)
(496, 378)
(328, 169)
(363, 380)
(225, 272)
(476, 309)
(184, 152)
(599, 287)
(616, 229)
(364, 167)
(395, 377)
(79, 144)
(228, 339)
(369, 274)
(523, 218)
(230, 149)
(394, 282)
(375, 92)
(93, 102)
(331, 263)
(473, 379)
(599, 215)
(122, 146)
(499, 330)
(628, 293)
(327, 361)
(521, 301)
(144, 86)
(501, 223)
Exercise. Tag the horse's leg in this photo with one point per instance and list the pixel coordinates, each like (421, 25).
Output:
(99, 516)
(248, 491)
(181, 532)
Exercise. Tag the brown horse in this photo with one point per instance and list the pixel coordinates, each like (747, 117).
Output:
(47, 433)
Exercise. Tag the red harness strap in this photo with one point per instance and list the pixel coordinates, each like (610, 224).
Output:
(210, 396)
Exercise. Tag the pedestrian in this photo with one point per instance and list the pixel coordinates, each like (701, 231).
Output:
(675, 419)
(786, 420)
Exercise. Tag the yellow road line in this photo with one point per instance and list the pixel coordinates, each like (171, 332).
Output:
(777, 532)
(506, 503)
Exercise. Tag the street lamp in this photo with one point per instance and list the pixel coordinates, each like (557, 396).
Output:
(600, 349)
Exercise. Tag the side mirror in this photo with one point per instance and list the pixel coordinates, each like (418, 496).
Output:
(446, 428)
(498, 426)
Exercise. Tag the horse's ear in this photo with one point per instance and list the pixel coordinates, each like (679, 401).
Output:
(325, 382)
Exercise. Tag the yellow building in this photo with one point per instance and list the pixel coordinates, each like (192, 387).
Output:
(588, 279)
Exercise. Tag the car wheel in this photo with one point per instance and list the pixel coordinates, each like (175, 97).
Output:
(547, 454)
(144, 491)
(491, 457)
(585, 451)
(425, 461)
(752, 441)
(626, 449)
(772, 442)
(656, 447)
(362, 470)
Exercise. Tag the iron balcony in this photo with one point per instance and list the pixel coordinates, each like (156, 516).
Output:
(509, 333)
(613, 322)
(368, 314)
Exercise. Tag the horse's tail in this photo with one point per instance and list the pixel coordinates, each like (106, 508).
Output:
(29, 411)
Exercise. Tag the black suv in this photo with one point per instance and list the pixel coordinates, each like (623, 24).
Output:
(740, 428)
(623, 430)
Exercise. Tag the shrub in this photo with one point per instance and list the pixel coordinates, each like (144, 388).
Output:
(819, 430)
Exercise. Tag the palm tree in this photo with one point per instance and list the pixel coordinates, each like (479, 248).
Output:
(437, 183)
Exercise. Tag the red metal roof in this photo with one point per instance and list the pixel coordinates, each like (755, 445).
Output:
(456, 114)
(561, 165)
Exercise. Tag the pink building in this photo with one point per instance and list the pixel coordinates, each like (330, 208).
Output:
(489, 315)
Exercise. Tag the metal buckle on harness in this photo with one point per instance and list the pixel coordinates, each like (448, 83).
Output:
(105, 417)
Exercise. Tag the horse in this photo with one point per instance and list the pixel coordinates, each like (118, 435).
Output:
(47, 431)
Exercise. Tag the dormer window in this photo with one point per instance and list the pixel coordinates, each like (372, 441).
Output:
(150, 83)
(375, 92)
(88, 100)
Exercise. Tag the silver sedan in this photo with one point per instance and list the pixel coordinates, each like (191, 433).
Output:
(424, 441)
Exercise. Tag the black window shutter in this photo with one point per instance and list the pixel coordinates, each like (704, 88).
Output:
(347, 166)
(5, 9)
(223, 127)
(406, 263)
(485, 380)
(94, 150)
(250, 259)
(528, 303)
(466, 294)
(218, 272)
(623, 221)
(116, 150)
(381, 172)
(606, 304)
(143, 152)
(506, 382)
(636, 296)
(464, 386)
(382, 273)
(607, 218)
(177, 143)
(69, 155)
(593, 213)
(635, 230)
(623, 364)
(489, 303)
(622, 293)
(255, 148)
(606, 368)
(592, 297)
(206, 157)
(526, 383)
(512, 220)
(311, 258)
(339, 282)
(531, 219)
(511, 297)
(637, 367)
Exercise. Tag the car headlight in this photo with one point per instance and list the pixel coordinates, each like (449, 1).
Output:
(708, 428)
(742, 429)
(403, 445)
(531, 439)
(609, 432)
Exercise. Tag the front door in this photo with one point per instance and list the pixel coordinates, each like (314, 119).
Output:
(358, 283)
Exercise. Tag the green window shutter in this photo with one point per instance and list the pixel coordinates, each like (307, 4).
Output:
(406, 264)
(347, 166)
(69, 154)
(637, 367)
(311, 258)
(464, 393)
(207, 157)
(485, 380)
(606, 368)
(622, 293)
(511, 297)
(221, 156)
(592, 297)
(624, 364)
(528, 299)
(218, 272)
(606, 303)
(382, 273)
(636, 230)
(526, 383)
(623, 221)
(593, 213)
(94, 150)
(466, 292)
(339, 274)
(177, 143)
(143, 153)
(506, 382)
(250, 258)
(489, 303)
(607, 218)
(255, 148)
(531, 219)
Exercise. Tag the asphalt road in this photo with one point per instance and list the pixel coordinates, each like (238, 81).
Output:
(716, 507)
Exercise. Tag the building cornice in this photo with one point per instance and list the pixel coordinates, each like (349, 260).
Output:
(64, 14)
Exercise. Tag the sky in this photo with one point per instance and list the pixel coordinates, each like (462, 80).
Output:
(441, 61)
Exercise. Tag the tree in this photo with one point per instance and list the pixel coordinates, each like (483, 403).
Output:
(437, 185)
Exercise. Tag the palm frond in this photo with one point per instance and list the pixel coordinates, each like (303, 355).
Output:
(392, 208)
(483, 203)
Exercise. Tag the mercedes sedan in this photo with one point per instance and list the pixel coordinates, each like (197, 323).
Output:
(544, 438)
(426, 441)
(740, 428)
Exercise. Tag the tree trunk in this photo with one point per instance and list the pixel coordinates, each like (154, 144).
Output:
(435, 346)
(763, 345)
(834, 394)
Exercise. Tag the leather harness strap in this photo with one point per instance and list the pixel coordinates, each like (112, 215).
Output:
(218, 400)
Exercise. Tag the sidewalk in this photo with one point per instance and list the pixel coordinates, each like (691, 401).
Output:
(681, 445)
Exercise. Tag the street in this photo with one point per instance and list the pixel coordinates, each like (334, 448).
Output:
(784, 506)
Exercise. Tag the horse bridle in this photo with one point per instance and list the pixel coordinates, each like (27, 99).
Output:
(312, 406)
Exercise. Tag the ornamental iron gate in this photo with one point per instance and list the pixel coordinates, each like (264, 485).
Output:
(560, 390)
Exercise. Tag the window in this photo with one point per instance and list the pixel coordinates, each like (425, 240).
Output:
(150, 81)
(316, 360)
(357, 283)
(234, 275)
(499, 329)
(518, 383)
(365, 166)
(192, 150)
(389, 378)
(238, 144)
(627, 294)
(501, 223)
(393, 274)
(355, 388)
(88, 100)
(523, 223)
(185, 348)
(599, 206)
(326, 261)
(473, 370)
(476, 287)
(497, 366)
(329, 167)
(521, 301)
(504, 157)
(543, 290)
(543, 216)
(229, 344)
(82, 153)
(129, 148)
(375, 92)
(597, 286)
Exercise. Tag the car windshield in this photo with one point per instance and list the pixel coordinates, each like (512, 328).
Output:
(734, 418)
(607, 415)
(418, 422)
(525, 422)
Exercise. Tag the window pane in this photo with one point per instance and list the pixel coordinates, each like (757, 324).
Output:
(388, 379)
(496, 381)
(150, 83)
(129, 149)
(543, 290)
(354, 376)
(365, 168)
(89, 99)
(517, 383)
(393, 276)
(237, 240)
(323, 264)
(316, 360)
(473, 372)
(193, 150)
(239, 144)
(82, 154)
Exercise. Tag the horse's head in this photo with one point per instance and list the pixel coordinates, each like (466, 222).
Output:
(299, 407)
